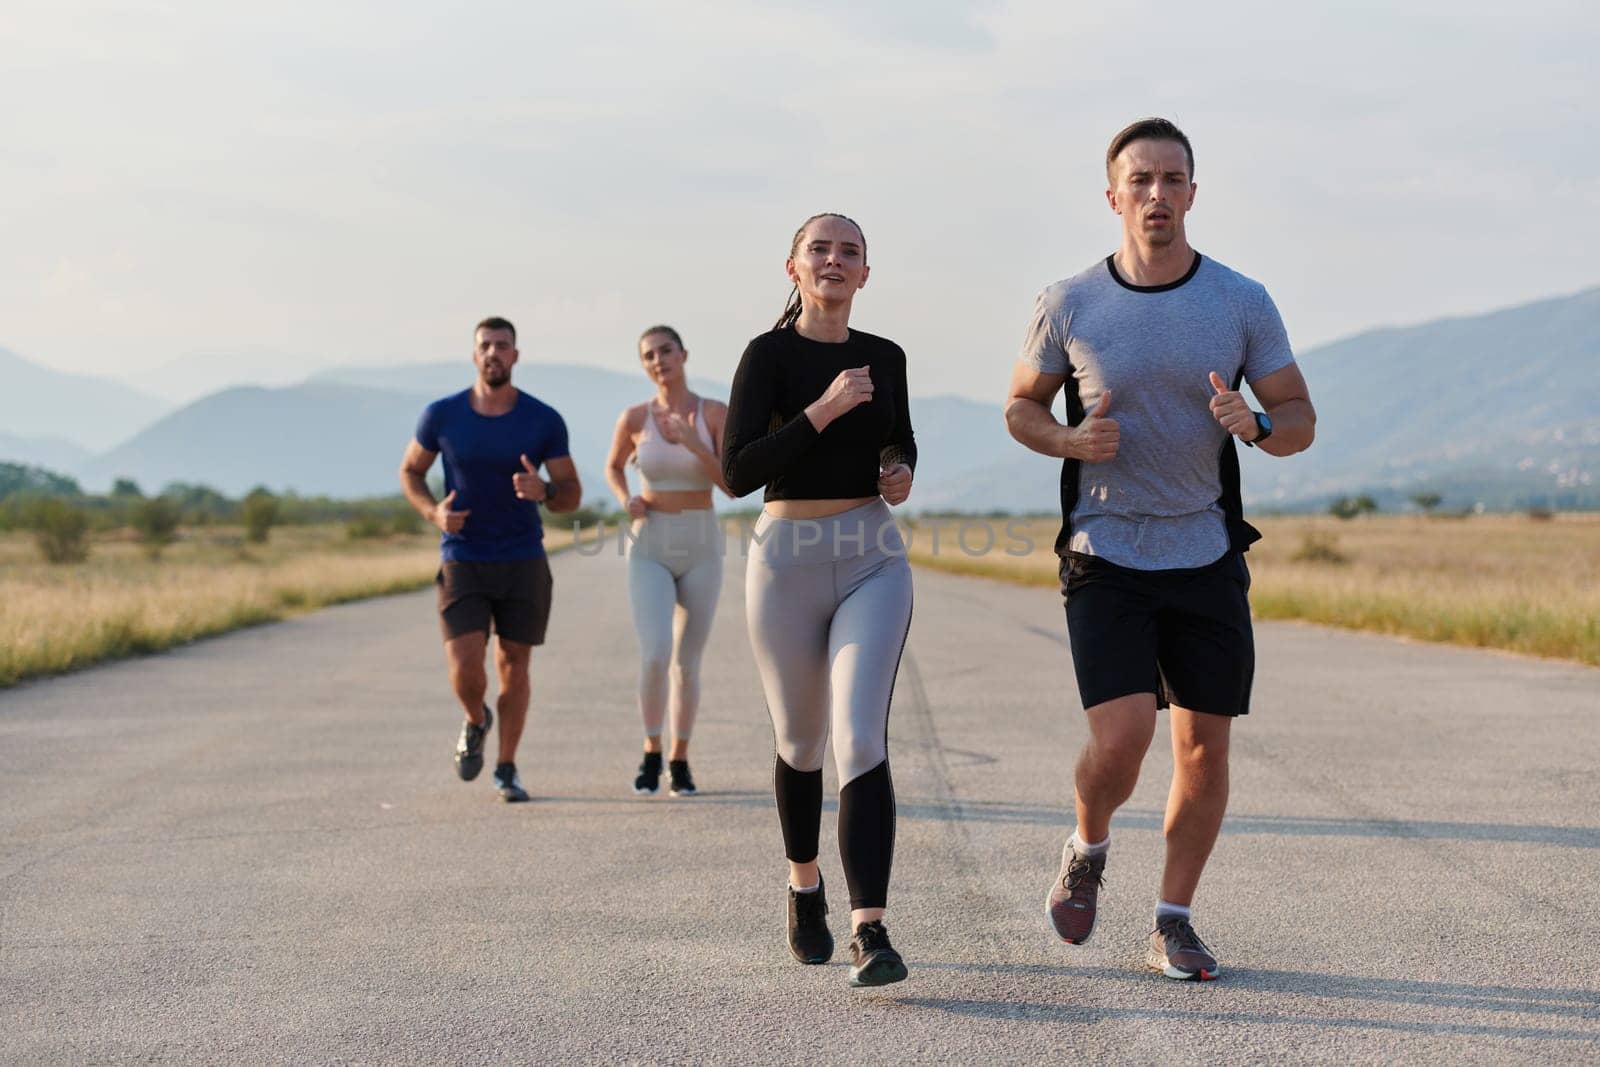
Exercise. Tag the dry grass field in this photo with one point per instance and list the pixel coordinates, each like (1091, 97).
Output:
(1492, 581)
(120, 603)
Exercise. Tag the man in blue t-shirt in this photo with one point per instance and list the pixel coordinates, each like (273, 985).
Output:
(1150, 346)
(494, 438)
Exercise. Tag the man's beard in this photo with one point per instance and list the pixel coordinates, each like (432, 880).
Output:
(494, 378)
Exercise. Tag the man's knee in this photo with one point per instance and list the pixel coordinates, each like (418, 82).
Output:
(1201, 759)
(512, 655)
(464, 655)
(1120, 730)
(1200, 741)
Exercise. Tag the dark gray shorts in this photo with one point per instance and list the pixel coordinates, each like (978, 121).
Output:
(513, 594)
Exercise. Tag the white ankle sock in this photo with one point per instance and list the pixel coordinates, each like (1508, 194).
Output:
(1084, 849)
(809, 889)
(1167, 909)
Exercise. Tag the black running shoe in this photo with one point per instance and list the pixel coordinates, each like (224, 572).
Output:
(875, 962)
(649, 779)
(809, 937)
(510, 786)
(682, 784)
(469, 749)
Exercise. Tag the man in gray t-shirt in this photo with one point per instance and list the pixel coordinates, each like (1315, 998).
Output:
(1151, 345)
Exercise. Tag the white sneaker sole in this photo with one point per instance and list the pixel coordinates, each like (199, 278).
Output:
(1178, 974)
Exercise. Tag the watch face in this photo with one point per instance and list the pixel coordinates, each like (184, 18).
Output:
(1264, 424)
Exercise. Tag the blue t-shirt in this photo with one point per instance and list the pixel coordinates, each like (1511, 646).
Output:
(481, 453)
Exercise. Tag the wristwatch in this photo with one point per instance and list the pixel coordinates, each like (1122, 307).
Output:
(1263, 428)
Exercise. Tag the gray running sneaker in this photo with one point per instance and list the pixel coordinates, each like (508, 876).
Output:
(469, 749)
(1177, 952)
(1073, 899)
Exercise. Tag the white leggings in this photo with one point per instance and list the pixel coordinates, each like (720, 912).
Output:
(674, 577)
(828, 603)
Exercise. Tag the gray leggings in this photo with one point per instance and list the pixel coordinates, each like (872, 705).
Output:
(674, 576)
(828, 603)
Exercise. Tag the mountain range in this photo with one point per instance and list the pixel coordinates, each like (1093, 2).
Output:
(1501, 408)
(92, 413)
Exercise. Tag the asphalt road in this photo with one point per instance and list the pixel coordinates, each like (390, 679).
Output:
(254, 849)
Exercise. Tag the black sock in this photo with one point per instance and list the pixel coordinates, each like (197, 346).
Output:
(799, 796)
(866, 836)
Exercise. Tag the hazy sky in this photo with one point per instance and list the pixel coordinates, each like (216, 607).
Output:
(359, 182)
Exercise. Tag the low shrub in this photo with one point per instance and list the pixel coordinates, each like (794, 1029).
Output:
(61, 530)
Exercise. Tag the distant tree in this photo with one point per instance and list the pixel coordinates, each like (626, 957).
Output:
(126, 489)
(1427, 501)
(260, 513)
(156, 519)
(21, 478)
(60, 529)
(197, 500)
(1349, 507)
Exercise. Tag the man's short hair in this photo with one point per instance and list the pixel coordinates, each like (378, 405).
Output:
(495, 322)
(1147, 130)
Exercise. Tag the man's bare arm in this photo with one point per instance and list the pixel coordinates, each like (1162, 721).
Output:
(1030, 420)
(414, 479)
(1028, 415)
(565, 492)
(1287, 401)
(414, 484)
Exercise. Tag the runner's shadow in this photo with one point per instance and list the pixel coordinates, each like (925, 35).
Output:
(1080, 1015)
(708, 797)
(1003, 813)
(1573, 1003)
(1577, 1005)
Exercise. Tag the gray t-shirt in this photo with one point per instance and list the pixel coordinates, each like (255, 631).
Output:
(1157, 504)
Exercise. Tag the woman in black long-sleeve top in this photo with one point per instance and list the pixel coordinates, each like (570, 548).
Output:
(819, 416)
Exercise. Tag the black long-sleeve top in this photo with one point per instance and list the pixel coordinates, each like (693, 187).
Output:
(768, 441)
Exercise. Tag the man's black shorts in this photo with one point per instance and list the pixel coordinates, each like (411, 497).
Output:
(1183, 634)
(514, 593)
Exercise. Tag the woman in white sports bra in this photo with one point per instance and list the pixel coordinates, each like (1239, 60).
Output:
(675, 554)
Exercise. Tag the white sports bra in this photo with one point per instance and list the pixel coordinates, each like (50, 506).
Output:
(665, 467)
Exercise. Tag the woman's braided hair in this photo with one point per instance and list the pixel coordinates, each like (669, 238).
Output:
(791, 310)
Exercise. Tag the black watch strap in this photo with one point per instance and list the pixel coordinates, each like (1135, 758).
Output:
(1263, 428)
